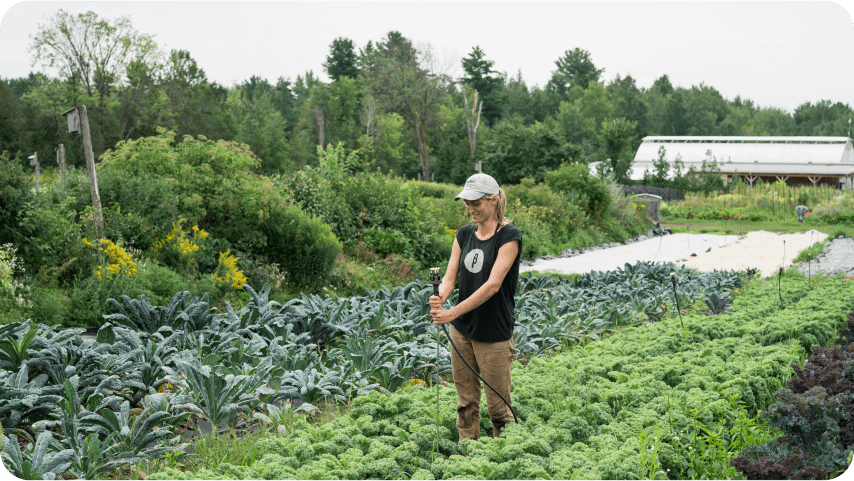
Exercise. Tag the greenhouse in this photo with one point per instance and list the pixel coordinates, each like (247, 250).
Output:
(794, 160)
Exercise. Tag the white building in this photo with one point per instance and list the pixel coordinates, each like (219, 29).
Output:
(794, 160)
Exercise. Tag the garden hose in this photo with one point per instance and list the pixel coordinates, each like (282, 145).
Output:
(688, 240)
(435, 281)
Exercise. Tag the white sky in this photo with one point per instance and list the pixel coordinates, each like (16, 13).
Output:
(778, 54)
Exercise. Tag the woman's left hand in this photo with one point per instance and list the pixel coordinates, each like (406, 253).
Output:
(441, 316)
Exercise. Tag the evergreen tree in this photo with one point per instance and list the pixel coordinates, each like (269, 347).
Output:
(575, 68)
(481, 77)
(341, 61)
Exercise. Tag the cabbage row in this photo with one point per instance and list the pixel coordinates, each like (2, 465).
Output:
(85, 408)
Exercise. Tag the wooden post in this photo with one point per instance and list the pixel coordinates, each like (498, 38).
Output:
(34, 160)
(90, 166)
(60, 159)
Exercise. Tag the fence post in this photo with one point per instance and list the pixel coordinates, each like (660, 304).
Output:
(60, 159)
(90, 166)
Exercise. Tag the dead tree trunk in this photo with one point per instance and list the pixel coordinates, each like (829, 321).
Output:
(472, 123)
(422, 149)
(320, 125)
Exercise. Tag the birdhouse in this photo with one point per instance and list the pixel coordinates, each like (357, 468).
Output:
(73, 118)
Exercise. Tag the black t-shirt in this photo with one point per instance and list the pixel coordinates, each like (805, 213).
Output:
(493, 320)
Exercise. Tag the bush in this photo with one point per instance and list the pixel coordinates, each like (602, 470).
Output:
(51, 305)
(546, 219)
(212, 186)
(389, 206)
(303, 245)
(13, 301)
(593, 192)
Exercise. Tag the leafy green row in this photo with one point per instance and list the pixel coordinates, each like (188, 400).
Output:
(187, 358)
(656, 401)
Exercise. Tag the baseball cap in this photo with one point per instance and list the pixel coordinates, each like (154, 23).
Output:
(477, 186)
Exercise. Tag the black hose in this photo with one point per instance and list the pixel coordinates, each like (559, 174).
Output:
(676, 298)
(478, 375)
(434, 280)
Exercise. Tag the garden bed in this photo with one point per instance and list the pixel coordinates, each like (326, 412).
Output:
(612, 381)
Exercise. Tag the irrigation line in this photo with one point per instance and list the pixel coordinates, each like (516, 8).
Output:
(779, 277)
(437, 392)
(435, 282)
(659, 246)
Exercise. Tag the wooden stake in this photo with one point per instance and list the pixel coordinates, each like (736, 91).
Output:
(90, 166)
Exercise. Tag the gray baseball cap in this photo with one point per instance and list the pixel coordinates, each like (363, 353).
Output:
(477, 186)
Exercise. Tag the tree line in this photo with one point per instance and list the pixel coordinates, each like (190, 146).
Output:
(393, 103)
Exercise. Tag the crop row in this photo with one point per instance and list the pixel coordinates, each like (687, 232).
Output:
(657, 401)
(88, 407)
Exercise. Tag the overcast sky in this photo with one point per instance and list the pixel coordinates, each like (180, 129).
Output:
(778, 54)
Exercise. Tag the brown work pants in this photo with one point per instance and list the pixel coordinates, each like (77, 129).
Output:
(492, 360)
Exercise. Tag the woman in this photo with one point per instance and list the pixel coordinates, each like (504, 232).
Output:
(486, 256)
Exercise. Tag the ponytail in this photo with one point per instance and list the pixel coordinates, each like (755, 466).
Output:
(501, 207)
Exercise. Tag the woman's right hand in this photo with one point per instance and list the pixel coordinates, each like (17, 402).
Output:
(435, 302)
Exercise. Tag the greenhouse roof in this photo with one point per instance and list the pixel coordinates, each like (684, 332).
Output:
(748, 150)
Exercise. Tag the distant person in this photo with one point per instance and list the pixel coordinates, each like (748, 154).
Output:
(486, 255)
(801, 210)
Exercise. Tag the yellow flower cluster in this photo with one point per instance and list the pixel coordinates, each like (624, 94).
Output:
(178, 240)
(120, 261)
(227, 273)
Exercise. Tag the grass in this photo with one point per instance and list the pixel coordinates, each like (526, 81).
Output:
(741, 227)
(767, 201)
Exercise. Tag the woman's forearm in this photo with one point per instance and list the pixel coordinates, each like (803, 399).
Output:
(474, 301)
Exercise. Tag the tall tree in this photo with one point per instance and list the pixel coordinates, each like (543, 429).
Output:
(705, 109)
(341, 61)
(480, 77)
(662, 86)
(823, 119)
(91, 51)
(10, 137)
(193, 105)
(517, 99)
(402, 79)
(616, 140)
(582, 116)
(263, 129)
(575, 68)
(515, 151)
(629, 103)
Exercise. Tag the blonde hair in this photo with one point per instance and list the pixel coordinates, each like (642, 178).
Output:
(500, 206)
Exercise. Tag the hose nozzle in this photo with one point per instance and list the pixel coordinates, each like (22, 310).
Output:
(435, 281)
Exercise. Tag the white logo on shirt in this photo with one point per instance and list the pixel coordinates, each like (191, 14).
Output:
(474, 261)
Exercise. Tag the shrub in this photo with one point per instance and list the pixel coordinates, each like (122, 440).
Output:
(303, 245)
(212, 186)
(51, 305)
(12, 292)
(389, 206)
(90, 292)
(593, 192)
